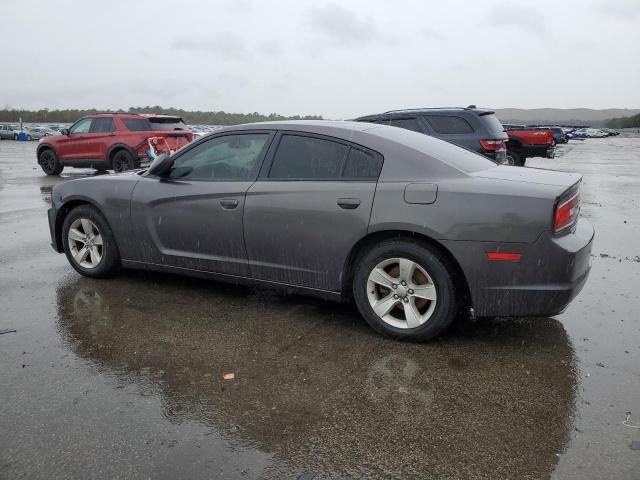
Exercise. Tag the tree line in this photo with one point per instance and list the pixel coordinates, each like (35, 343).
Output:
(624, 122)
(190, 117)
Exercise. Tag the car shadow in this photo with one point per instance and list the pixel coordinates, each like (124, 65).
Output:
(315, 387)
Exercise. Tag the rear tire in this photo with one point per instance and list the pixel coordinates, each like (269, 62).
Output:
(419, 309)
(89, 243)
(122, 161)
(49, 162)
(515, 158)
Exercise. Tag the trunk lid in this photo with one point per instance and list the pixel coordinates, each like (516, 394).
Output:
(530, 175)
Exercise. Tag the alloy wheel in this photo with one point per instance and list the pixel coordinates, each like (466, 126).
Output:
(401, 293)
(85, 243)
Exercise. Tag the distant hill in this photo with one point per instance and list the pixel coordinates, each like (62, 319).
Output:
(569, 116)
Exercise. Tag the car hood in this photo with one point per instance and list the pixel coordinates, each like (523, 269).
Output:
(530, 175)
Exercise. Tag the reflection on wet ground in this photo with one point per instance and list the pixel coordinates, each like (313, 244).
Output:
(316, 388)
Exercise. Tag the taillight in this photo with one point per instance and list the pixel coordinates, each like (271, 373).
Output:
(493, 145)
(566, 213)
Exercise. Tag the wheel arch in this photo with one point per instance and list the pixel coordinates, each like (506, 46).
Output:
(115, 148)
(515, 144)
(64, 211)
(371, 239)
(45, 146)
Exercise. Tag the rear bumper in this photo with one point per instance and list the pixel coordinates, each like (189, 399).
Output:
(550, 274)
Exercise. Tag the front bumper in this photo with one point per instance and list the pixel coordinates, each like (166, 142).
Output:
(550, 274)
(52, 213)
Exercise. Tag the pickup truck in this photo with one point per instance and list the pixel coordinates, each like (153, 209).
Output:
(116, 141)
(526, 142)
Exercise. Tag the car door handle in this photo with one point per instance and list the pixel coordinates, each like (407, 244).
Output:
(229, 203)
(348, 203)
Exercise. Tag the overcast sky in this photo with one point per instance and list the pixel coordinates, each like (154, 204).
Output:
(338, 59)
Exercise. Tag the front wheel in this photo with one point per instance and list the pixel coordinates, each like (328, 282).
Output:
(404, 290)
(49, 162)
(89, 243)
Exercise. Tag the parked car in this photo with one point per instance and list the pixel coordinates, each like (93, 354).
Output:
(526, 142)
(36, 133)
(472, 128)
(412, 227)
(558, 135)
(9, 132)
(596, 133)
(116, 141)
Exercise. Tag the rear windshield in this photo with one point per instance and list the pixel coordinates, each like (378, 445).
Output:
(493, 125)
(167, 123)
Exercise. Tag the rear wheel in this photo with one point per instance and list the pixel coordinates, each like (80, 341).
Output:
(89, 243)
(404, 290)
(122, 161)
(49, 162)
(515, 158)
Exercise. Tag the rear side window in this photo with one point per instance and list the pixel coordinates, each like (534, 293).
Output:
(446, 124)
(362, 164)
(406, 123)
(300, 157)
(137, 124)
(102, 125)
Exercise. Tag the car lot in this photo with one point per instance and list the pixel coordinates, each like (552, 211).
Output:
(124, 377)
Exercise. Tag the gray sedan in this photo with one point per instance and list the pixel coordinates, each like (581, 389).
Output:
(414, 229)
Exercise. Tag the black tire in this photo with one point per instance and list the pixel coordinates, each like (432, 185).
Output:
(49, 162)
(515, 158)
(29, 138)
(109, 262)
(122, 161)
(446, 305)
(15, 137)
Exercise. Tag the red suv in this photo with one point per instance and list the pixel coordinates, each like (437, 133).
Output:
(116, 141)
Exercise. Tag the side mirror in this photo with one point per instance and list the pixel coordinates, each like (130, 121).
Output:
(65, 131)
(161, 165)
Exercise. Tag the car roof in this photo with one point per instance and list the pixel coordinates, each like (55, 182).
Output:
(427, 110)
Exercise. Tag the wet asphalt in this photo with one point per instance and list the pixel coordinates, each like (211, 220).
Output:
(123, 378)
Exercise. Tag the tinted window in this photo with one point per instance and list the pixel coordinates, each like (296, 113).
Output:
(230, 157)
(102, 125)
(362, 164)
(308, 157)
(83, 126)
(446, 124)
(137, 124)
(406, 123)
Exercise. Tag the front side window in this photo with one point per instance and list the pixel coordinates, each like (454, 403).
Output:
(83, 126)
(446, 124)
(229, 157)
(301, 157)
(102, 125)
